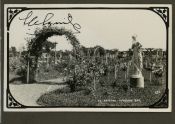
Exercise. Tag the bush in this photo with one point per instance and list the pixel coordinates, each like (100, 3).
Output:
(17, 65)
(61, 66)
(72, 85)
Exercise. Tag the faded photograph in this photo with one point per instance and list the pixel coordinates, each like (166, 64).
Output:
(0, 71)
(0, 63)
(87, 57)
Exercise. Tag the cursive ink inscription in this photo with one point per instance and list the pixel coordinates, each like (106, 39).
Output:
(31, 21)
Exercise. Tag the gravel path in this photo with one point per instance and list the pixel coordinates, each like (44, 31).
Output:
(27, 94)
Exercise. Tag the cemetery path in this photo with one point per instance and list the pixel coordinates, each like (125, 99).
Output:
(27, 94)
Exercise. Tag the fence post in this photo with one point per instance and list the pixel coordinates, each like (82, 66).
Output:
(150, 77)
(115, 73)
(106, 59)
(28, 71)
(94, 84)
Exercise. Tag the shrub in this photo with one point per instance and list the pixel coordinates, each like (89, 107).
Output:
(22, 71)
(72, 85)
(18, 66)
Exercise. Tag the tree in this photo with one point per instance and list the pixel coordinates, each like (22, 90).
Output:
(149, 51)
(83, 51)
(13, 50)
(130, 52)
(99, 50)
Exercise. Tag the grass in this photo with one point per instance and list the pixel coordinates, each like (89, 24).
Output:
(63, 97)
(109, 92)
(104, 97)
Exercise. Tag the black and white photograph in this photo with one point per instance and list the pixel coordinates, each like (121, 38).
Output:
(0, 75)
(88, 57)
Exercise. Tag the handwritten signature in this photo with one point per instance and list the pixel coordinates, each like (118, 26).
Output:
(31, 21)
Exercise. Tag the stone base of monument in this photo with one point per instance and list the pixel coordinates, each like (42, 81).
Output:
(137, 81)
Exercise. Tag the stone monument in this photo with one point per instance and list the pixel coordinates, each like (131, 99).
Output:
(136, 77)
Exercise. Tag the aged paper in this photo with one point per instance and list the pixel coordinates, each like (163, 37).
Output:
(88, 58)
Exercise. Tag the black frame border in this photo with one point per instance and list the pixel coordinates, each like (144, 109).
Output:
(164, 99)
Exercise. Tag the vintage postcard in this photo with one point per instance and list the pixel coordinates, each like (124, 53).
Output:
(88, 57)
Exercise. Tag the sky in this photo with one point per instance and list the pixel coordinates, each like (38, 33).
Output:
(110, 29)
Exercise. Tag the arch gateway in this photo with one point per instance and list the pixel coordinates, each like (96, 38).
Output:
(35, 46)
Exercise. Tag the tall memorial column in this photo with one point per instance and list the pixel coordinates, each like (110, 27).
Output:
(136, 77)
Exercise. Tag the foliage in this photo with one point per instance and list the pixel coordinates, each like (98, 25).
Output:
(89, 74)
(36, 44)
(84, 74)
(17, 66)
(63, 97)
(39, 44)
(47, 46)
(13, 51)
(105, 96)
